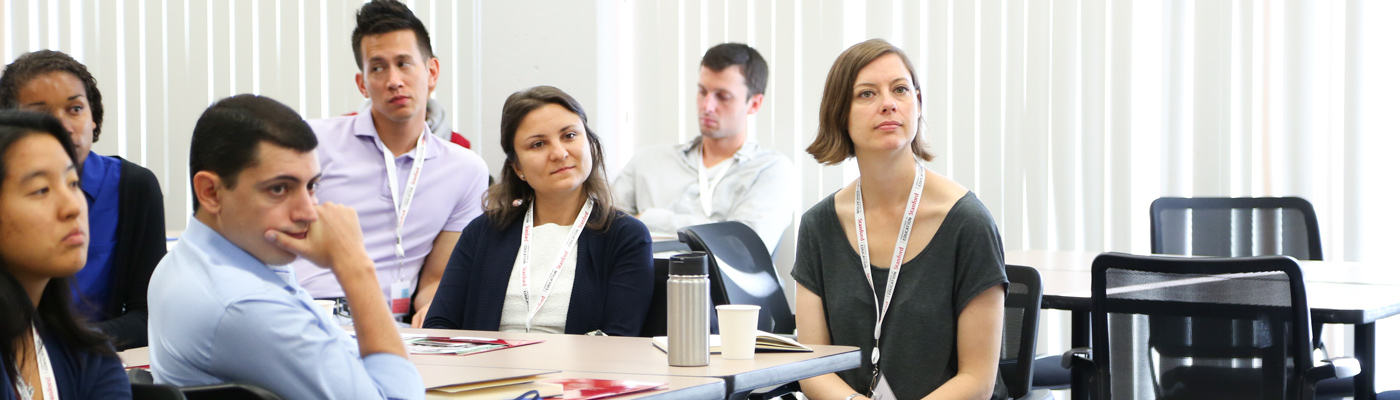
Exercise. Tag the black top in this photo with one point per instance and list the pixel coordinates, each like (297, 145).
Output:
(919, 343)
(140, 246)
(612, 280)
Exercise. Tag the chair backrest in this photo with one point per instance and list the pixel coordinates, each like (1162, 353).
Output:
(1236, 227)
(1019, 328)
(741, 272)
(1266, 294)
(151, 391)
(140, 375)
(655, 324)
(228, 391)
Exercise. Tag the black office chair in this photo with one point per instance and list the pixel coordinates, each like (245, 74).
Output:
(741, 272)
(1236, 227)
(143, 387)
(151, 391)
(1241, 227)
(1020, 320)
(228, 391)
(1266, 294)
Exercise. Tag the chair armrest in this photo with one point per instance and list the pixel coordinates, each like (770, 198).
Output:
(140, 375)
(1081, 358)
(1340, 367)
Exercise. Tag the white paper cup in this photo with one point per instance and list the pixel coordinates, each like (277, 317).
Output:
(328, 306)
(738, 323)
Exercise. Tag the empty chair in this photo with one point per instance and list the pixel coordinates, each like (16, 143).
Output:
(1266, 294)
(741, 272)
(1242, 227)
(1020, 320)
(1236, 227)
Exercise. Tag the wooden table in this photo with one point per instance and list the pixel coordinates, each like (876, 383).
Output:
(636, 356)
(1348, 293)
(434, 375)
(630, 358)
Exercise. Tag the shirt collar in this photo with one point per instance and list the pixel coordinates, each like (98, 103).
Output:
(744, 154)
(363, 127)
(94, 170)
(215, 246)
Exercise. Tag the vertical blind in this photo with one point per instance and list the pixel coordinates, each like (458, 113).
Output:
(1066, 117)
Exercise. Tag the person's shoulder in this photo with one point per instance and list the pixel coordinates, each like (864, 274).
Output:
(625, 224)
(459, 156)
(969, 211)
(481, 224)
(332, 124)
(824, 210)
(134, 174)
(131, 168)
(658, 152)
(772, 157)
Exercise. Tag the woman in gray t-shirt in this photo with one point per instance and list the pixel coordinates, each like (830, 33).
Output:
(941, 327)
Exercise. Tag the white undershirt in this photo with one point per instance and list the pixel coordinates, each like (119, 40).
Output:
(544, 250)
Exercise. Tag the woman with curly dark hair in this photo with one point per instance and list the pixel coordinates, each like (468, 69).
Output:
(125, 207)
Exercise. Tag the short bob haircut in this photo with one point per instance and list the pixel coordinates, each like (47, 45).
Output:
(500, 198)
(833, 143)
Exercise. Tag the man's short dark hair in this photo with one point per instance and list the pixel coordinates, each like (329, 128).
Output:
(750, 63)
(226, 137)
(378, 17)
(38, 63)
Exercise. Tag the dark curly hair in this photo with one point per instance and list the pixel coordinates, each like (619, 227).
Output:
(378, 17)
(38, 63)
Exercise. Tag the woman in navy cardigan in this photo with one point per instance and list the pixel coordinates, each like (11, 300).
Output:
(44, 240)
(587, 266)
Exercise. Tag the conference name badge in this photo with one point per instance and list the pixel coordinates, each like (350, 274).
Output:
(399, 300)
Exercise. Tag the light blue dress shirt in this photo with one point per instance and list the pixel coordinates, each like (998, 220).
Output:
(220, 315)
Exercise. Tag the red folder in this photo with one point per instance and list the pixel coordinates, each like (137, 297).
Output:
(585, 389)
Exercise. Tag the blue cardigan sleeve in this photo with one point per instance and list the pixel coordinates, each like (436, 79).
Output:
(85, 375)
(450, 301)
(103, 378)
(629, 282)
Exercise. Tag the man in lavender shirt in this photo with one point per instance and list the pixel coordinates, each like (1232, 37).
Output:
(385, 164)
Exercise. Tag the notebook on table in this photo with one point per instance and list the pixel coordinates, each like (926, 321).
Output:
(763, 342)
(455, 382)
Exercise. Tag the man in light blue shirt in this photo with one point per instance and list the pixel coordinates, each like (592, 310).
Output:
(225, 307)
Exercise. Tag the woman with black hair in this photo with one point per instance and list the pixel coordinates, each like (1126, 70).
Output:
(46, 351)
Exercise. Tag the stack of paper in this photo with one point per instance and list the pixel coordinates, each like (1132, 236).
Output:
(453, 382)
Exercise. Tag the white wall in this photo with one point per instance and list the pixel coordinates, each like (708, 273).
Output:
(1067, 117)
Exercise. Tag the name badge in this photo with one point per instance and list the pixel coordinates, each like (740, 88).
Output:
(400, 298)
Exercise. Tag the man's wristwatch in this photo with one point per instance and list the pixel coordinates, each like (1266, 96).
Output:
(852, 396)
